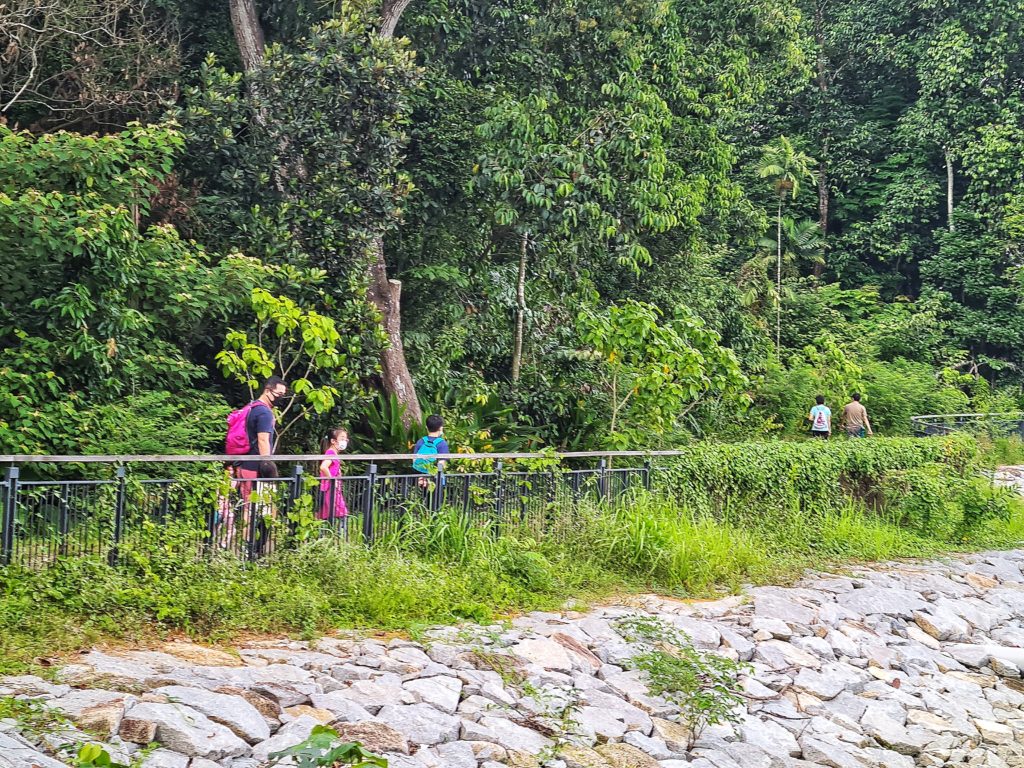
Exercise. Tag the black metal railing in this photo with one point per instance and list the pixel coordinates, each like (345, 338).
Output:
(132, 506)
(992, 425)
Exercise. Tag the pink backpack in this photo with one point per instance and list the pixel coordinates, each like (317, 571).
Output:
(237, 441)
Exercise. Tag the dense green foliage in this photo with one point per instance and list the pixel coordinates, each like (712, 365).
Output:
(793, 196)
(683, 539)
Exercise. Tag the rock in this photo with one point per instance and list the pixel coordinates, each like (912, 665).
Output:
(994, 733)
(20, 754)
(323, 716)
(267, 707)
(458, 754)
(890, 733)
(634, 717)
(1004, 668)
(702, 634)
(376, 737)
(188, 731)
(599, 724)
(918, 635)
(374, 694)
(543, 652)
(341, 705)
(730, 639)
(202, 762)
(769, 736)
(201, 655)
(97, 711)
(790, 610)
(164, 758)
(888, 601)
(823, 686)
(137, 731)
(506, 733)
(675, 735)
(781, 655)
(766, 628)
(654, 747)
(582, 655)
(234, 712)
(420, 723)
(943, 624)
(288, 736)
(441, 692)
(980, 581)
(104, 720)
(824, 753)
(581, 757)
(625, 756)
(928, 720)
(975, 656)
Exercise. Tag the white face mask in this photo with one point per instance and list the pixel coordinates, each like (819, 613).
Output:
(342, 444)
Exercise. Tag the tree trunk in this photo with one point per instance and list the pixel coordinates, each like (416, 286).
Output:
(517, 347)
(949, 190)
(822, 63)
(245, 20)
(386, 295)
(778, 280)
(390, 12)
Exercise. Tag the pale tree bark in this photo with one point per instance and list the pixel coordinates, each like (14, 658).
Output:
(245, 20)
(517, 347)
(949, 190)
(390, 12)
(778, 280)
(386, 294)
(822, 77)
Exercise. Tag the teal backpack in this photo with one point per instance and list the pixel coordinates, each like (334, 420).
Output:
(427, 448)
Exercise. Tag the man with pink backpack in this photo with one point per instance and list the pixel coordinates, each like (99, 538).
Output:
(251, 429)
(251, 432)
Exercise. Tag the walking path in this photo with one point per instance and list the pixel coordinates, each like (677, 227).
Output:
(894, 665)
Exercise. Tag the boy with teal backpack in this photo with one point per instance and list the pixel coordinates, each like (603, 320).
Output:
(426, 449)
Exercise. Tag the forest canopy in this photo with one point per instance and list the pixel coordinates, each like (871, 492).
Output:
(559, 223)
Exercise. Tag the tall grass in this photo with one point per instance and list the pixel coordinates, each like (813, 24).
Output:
(446, 567)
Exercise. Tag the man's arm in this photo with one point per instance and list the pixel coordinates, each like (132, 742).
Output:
(263, 442)
(442, 447)
(867, 422)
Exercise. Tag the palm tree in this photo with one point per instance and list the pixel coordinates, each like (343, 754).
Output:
(787, 168)
(802, 243)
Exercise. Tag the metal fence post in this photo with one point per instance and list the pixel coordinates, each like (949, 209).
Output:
(119, 506)
(647, 475)
(9, 512)
(499, 491)
(602, 478)
(294, 492)
(368, 501)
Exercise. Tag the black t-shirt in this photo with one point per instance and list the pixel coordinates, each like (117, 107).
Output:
(259, 419)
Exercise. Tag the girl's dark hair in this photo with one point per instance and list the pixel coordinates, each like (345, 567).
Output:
(330, 437)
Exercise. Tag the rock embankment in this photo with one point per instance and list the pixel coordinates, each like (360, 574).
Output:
(896, 666)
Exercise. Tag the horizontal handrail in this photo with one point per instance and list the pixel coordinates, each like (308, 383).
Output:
(223, 458)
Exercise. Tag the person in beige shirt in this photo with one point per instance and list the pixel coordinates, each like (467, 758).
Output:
(855, 418)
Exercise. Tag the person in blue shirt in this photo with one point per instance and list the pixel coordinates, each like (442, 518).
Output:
(430, 445)
(820, 418)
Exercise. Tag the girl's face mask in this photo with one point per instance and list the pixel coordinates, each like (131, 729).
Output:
(343, 444)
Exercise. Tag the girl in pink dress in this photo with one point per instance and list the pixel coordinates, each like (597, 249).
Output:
(332, 500)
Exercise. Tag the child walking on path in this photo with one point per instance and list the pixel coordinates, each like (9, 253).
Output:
(332, 506)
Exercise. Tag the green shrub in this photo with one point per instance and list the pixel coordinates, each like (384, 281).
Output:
(786, 475)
